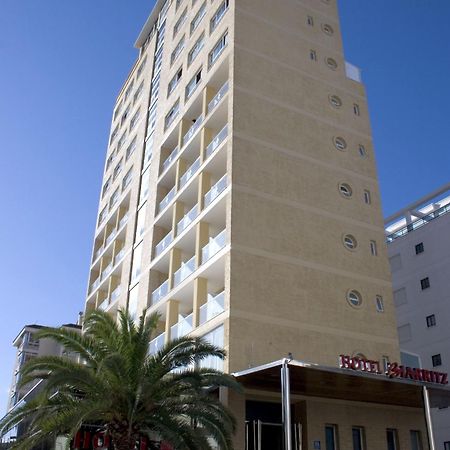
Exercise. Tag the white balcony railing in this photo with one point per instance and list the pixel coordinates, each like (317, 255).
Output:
(212, 308)
(157, 344)
(190, 172)
(98, 252)
(182, 328)
(123, 220)
(184, 271)
(195, 126)
(216, 190)
(115, 294)
(164, 243)
(216, 99)
(95, 284)
(218, 139)
(104, 304)
(214, 245)
(167, 199)
(170, 158)
(187, 219)
(107, 270)
(160, 292)
(110, 237)
(119, 256)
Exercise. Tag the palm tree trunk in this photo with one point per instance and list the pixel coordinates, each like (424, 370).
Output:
(123, 441)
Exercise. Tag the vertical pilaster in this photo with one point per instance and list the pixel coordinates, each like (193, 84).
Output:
(200, 298)
(174, 264)
(172, 308)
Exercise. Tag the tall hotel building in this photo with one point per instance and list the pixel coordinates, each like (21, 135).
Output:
(240, 197)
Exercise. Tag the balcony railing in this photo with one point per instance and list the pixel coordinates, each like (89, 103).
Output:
(170, 158)
(190, 172)
(111, 237)
(123, 220)
(182, 328)
(216, 190)
(104, 304)
(216, 99)
(195, 126)
(216, 244)
(212, 308)
(164, 243)
(119, 256)
(187, 219)
(95, 284)
(98, 252)
(167, 199)
(218, 139)
(115, 294)
(157, 344)
(160, 292)
(107, 270)
(184, 271)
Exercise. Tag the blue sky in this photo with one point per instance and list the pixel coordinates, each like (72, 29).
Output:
(61, 65)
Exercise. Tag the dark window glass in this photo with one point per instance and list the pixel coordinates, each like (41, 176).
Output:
(357, 436)
(436, 360)
(391, 438)
(330, 437)
(425, 283)
(419, 248)
(431, 320)
(416, 441)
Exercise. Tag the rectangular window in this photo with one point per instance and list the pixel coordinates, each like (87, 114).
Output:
(447, 445)
(114, 134)
(356, 109)
(122, 140)
(391, 439)
(425, 283)
(117, 170)
(136, 263)
(214, 337)
(180, 22)
(198, 17)
(135, 118)
(129, 89)
(373, 248)
(385, 362)
(436, 360)
(173, 83)
(117, 110)
(419, 248)
(172, 114)
(192, 85)
(177, 50)
(179, 2)
(141, 68)
(367, 197)
(217, 17)
(102, 215)
(130, 149)
(148, 149)
(195, 50)
(106, 186)
(114, 198)
(310, 21)
(331, 437)
(416, 440)
(380, 303)
(358, 438)
(218, 49)
(145, 183)
(313, 55)
(431, 321)
(138, 93)
(140, 223)
(125, 114)
(127, 179)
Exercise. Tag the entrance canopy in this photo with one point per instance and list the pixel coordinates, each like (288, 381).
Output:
(313, 380)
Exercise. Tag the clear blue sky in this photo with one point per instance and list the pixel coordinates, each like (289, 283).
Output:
(63, 62)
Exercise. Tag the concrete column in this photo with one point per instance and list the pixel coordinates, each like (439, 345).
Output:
(177, 214)
(208, 94)
(204, 185)
(205, 138)
(172, 308)
(180, 169)
(174, 264)
(201, 239)
(200, 298)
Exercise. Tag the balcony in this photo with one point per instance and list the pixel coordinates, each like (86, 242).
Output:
(160, 292)
(167, 199)
(184, 271)
(104, 304)
(215, 245)
(195, 126)
(95, 285)
(110, 237)
(212, 308)
(164, 243)
(157, 344)
(193, 168)
(98, 252)
(218, 139)
(107, 270)
(119, 256)
(187, 219)
(170, 158)
(218, 97)
(182, 328)
(216, 190)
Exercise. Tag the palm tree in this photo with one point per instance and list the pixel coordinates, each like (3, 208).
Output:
(123, 390)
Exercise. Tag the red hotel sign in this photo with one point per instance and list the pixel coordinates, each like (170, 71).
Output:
(393, 370)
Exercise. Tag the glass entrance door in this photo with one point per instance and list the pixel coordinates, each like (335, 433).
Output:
(269, 436)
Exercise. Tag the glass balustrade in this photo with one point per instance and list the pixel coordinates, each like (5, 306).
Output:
(163, 244)
(119, 256)
(216, 244)
(107, 270)
(95, 284)
(182, 328)
(167, 199)
(104, 304)
(218, 139)
(170, 158)
(123, 220)
(195, 126)
(216, 99)
(98, 252)
(190, 172)
(215, 191)
(160, 292)
(157, 344)
(212, 308)
(184, 271)
(111, 237)
(187, 219)
(115, 294)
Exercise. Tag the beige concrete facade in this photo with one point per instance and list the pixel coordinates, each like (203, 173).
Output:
(222, 205)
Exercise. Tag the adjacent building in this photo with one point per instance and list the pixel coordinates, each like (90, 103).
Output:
(240, 201)
(419, 253)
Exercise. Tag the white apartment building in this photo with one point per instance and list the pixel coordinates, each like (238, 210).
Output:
(418, 239)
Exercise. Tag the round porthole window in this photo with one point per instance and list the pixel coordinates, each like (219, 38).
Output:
(340, 143)
(350, 242)
(327, 29)
(345, 190)
(331, 63)
(354, 298)
(362, 151)
(335, 101)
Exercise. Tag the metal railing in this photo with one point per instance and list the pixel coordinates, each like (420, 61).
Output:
(218, 139)
(95, 284)
(170, 158)
(167, 199)
(107, 270)
(111, 237)
(164, 243)
(182, 328)
(214, 245)
(216, 99)
(119, 256)
(215, 190)
(123, 220)
(157, 344)
(195, 126)
(190, 172)
(115, 294)
(212, 308)
(160, 292)
(187, 219)
(184, 271)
